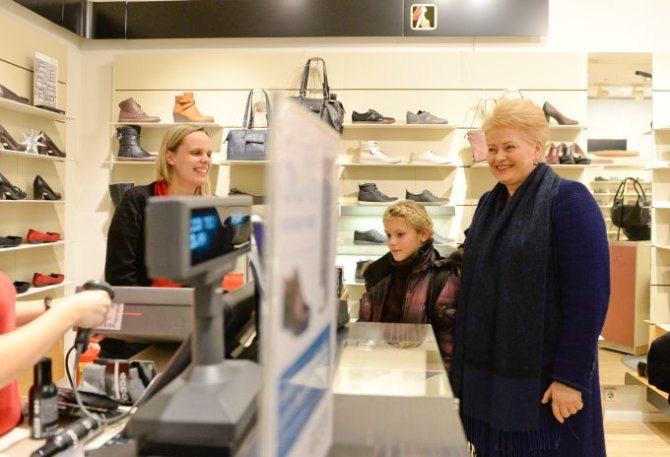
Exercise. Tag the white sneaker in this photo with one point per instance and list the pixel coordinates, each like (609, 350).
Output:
(428, 157)
(369, 152)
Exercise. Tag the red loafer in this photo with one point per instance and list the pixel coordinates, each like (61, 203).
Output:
(35, 236)
(41, 280)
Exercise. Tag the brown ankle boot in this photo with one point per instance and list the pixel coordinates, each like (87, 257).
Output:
(186, 111)
(131, 111)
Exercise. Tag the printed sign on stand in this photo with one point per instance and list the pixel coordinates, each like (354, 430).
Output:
(298, 330)
(45, 81)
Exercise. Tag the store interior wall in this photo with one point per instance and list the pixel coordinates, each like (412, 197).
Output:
(574, 25)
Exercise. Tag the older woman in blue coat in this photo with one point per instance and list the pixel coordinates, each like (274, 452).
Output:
(533, 299)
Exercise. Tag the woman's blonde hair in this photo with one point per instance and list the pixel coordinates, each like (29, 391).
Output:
(414, 214)
(171, 141)
(521, 114)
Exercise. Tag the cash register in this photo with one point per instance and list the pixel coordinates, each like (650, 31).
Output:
(208, 407)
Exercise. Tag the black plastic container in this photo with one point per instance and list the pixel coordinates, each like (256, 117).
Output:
(43, 401)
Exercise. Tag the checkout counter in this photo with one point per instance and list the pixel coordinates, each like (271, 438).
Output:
(391, 393)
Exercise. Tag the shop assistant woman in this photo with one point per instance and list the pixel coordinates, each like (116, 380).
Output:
(182, 168)
(534, 294)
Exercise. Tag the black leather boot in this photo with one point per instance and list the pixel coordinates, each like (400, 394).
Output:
(117, 190)
(42, 190)
(129, 144)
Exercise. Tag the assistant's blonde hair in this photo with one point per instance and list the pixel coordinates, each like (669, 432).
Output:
(171, 141)
(521, 114)
(414, 214)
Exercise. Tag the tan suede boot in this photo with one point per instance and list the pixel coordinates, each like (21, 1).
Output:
(186, 111)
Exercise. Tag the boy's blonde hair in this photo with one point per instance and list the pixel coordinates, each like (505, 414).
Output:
(414, 214)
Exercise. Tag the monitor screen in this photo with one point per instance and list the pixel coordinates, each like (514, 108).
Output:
(210, 238)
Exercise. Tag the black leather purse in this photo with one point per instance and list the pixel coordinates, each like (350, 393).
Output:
(326, 107)
(248, 143)
(633, 218)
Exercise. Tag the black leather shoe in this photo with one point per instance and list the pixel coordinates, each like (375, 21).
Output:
(49, 147)
(371, 116)
(565, 154)
(42, 190)
(9, 95)
(21, 286)
(10, 241)
(10, 191)
(579, 155)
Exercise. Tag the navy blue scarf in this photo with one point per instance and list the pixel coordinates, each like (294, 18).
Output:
(507, 320)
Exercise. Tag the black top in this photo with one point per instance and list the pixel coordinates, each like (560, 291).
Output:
(125, 264)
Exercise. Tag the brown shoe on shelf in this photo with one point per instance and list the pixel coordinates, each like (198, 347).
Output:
(9, 143)
(131, 112)
(186, 111)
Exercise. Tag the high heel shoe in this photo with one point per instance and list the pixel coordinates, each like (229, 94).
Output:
(552, 157)
(565, 155)
(42, 190)
(579, 155)
(550, 111)
(10, 191)
(9, 95)
(49, 147)
(9, 143)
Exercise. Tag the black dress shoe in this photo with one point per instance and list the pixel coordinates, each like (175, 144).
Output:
(9, 95)
(42, 190)
(21, 286)
(10, 241)
(371, 116)
(10, 191)
(49, 147)
(565, 154)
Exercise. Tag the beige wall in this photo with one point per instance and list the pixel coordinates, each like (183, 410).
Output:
(575, 26)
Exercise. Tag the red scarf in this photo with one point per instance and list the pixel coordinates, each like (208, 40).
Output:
(161, 190)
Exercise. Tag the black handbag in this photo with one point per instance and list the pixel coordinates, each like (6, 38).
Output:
(327, 107)
(633, 218)
(248, 143)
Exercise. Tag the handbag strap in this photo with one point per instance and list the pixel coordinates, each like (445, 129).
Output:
(248, 122)
(305, 77)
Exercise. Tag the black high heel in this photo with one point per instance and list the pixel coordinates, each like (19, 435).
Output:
(49, 147)
(9, 143)
(579, 155)
(42, 190)
(10, 191)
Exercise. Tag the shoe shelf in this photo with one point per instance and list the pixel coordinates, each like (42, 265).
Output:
(616, 183)
(378, 210)
(659, 204)
(19, 107)
(354, 284)
(25, 155)
(39, 290)
(399, 126)
(27, 200)
(398, 165)
(166, 125)
(381, 249)
(24, 246)
(132, 162)
(662, 246)
(244, 163)
(563, 128)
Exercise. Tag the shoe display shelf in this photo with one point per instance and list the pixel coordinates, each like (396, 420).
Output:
(39, 290)
(18, 216)
(397, 126)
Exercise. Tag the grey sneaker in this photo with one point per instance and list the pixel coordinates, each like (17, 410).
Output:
(424, 117)
(368, 194)
(369, 237)
(426, 198)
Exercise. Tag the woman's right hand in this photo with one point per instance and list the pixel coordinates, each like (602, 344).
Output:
(87, 308)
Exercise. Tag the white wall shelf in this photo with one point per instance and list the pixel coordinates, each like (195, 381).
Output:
(398, 126)
(378, 210)
(25, 155)
(19, 107)
(17, 202)
(26, 246)
(39, 290)
(397, 165)
(166, 125)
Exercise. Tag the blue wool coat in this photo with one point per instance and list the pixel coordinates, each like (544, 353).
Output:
(582, 253)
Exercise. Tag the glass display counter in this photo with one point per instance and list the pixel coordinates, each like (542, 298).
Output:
(392, 394)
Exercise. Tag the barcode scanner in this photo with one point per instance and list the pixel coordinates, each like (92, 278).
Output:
(81, 340)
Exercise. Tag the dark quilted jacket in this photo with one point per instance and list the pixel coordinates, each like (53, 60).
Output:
(417, 296)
